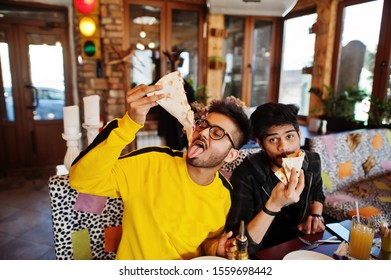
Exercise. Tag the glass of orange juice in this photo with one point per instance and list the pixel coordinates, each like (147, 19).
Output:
(361, 238)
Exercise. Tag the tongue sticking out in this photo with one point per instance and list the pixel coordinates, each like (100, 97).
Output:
(195, 151)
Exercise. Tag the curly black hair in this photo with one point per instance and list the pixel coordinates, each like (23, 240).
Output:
(235, 112)
(271, 114)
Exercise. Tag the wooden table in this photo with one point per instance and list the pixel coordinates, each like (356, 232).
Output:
(279, 251)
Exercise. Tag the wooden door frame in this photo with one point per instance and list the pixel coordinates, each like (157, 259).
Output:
(29, 123)
(201, 30)
(16, 29)
(12, 132)
(383, 55)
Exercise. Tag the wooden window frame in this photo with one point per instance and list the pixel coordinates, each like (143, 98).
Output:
(382, 60)
(166, 8)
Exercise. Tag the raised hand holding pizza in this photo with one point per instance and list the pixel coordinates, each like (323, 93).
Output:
(139, 103)
(283, 195)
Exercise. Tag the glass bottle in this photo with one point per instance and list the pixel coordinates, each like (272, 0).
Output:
(241, 252)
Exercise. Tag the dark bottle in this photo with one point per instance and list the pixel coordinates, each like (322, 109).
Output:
(241, 252)
(99, 70)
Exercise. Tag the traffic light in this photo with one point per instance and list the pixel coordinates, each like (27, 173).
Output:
(87, 13)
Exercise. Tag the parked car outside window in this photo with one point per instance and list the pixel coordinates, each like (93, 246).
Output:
(51, 102)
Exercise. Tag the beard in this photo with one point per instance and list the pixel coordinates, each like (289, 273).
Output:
(213, 161)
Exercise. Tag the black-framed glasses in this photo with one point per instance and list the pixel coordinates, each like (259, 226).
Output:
(215, 132)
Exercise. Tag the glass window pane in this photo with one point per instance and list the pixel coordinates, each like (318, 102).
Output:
(358, 50)
(145, 36)
(233, 46)
(47, 76)
(185, 39)
(8, 107)
(263, 31)
(298, 52)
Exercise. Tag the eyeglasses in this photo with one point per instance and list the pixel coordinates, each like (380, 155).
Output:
(215, 132)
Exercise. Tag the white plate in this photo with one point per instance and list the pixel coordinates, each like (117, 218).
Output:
(306, 255)
(209, 258)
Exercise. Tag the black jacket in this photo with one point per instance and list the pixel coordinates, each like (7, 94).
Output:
(253, 182)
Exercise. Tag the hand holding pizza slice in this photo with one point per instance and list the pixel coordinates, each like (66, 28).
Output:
(175, 101)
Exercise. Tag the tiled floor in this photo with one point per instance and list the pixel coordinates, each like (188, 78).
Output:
(26, 231)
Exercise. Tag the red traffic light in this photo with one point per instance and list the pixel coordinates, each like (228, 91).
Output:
(85, 6)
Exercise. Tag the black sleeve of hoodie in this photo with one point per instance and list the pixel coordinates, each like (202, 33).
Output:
(317, 183)
(246, 203)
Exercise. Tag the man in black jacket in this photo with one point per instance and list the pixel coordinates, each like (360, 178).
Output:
(274, 212)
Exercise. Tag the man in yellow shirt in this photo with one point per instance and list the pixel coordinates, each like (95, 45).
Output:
(175, 203)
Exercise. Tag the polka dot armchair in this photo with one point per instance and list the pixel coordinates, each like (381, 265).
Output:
(85, 226)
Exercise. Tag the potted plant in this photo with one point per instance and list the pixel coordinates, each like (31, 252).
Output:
(339, 109)
(380, 112)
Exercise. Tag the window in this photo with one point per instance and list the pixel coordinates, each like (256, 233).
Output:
(357, 51)
(298, 55)
(261, 61)
(6, 81)
(248, 51)
(233, 49)
(168, 28)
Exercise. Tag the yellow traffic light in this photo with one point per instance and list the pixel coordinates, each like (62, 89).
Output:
(87, 26)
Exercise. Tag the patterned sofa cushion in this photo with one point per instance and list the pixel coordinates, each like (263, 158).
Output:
(85, 226)
(353, 156)
(356, 166)
(374, 193)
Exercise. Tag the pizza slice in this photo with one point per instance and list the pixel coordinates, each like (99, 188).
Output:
(175, 101)
(293, 160)
(280, 173)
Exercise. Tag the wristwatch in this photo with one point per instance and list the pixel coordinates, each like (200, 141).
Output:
(320, 217)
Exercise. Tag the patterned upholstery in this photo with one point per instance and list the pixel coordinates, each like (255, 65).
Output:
(85, 226)
(356, 166)
(229, 167)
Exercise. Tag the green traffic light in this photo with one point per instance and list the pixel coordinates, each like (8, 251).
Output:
(89, 48)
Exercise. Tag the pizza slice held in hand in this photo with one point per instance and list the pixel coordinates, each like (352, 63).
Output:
(175, 101)
(293, 160)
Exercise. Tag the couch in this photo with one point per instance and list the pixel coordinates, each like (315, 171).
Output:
(86, 227)
(356, 166)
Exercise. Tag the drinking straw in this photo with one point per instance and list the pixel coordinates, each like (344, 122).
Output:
(357, 212)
